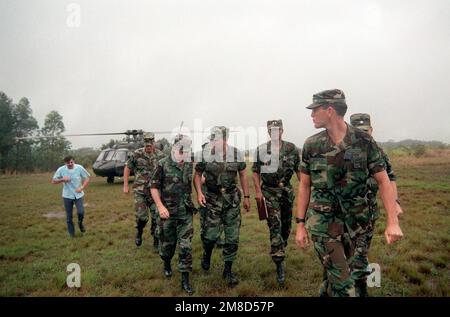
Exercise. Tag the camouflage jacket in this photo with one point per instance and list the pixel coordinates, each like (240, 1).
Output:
(221, 176)
(143, 164)
(174, 180)
(339, 174)
(289, 160)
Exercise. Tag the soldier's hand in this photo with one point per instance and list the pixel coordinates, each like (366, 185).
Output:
(247, 204)
(201, 200)
(125, 188)
(301, 237)
(66, 179)
(163, 212)
(258, 196)
(393, 233)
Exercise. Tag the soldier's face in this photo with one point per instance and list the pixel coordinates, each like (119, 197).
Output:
(321, 116)
(275, 133)
(149, 147)
(219, 142)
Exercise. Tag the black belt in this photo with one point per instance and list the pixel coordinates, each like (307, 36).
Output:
(277, 185)
(221, 190)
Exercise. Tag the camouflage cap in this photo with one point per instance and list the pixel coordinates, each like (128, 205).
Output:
(182, 138)
(219, 132)
(333, 97)
(274, 124)
(149, 137)
(360, 121)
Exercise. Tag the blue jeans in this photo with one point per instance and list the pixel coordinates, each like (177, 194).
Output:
(68, 205)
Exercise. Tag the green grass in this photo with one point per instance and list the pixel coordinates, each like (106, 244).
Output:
(35, 250)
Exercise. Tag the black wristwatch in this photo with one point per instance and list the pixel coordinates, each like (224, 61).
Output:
(246, 196)
(298, 220)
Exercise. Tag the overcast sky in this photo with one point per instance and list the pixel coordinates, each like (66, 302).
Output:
(151, 64)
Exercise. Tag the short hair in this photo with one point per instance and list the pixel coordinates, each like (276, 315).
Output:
(340, 110)
(68, 158)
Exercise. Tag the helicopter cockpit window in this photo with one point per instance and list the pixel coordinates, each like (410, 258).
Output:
(101, 156)
(121, 156)
(109, 155)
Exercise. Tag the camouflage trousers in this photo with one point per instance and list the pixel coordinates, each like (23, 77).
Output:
(143, 202)
(279, 203)
(331, 244)
(356, 255)
(222, 210)
(341, 243)
(202, 213)
(177, 230)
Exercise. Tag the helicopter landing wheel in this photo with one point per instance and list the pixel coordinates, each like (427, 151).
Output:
(110, 180)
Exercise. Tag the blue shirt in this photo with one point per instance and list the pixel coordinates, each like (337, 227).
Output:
(76, 175)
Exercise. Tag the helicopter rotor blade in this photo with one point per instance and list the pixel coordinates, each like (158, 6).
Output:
(129, 132)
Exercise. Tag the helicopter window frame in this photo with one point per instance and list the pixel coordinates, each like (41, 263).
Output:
(109, 156)
(121, 156)
(102, 155)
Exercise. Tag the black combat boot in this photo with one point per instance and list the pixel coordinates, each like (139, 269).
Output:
(361, 289)
(232, 280)
(167, 269)
(281, 277)
(185, 285)
(206, 258)
(139, 229)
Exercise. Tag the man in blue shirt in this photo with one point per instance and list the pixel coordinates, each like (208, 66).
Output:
(75, 179)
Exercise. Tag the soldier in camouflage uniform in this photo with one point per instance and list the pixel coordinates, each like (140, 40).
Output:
(203, 210)
(276, 188)
(142, 162)
(220, 165)
(171, 188)
(360, 260)
(335, 166)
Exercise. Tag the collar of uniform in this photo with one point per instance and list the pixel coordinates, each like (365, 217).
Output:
(346, 142)
(175, 164)
(148, 154)
(269, 146)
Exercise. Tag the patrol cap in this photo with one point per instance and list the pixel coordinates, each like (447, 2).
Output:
(333, 97)
(149, 137)
(219, 132)
(183, 139)
(274, 124)
(361, 121)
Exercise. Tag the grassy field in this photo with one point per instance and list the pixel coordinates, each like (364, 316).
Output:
(35, 248)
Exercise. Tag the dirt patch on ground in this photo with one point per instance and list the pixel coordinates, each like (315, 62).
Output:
(55, 214)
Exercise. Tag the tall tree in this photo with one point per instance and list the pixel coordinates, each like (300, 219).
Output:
(6, 130)
(53, 124)
(52, 149)
(24, 125)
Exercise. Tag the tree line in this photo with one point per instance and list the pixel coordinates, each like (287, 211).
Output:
(33, 154)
